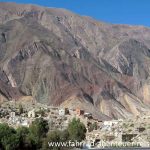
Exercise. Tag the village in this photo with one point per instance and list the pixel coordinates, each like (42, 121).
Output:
(135, 129)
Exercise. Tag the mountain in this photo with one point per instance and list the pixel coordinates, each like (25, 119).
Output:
(60, 58)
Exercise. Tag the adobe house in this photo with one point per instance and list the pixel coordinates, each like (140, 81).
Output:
(79, 112)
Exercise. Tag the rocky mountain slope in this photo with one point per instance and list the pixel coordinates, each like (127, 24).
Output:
(60, 58)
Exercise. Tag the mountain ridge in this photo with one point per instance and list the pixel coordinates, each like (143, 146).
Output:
(60, 58)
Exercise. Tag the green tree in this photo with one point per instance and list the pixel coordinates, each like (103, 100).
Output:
(64, 135)
(10, 142)
(38, 131)
(77, 130)
(8, 138)
(55, 136)
(24, 142)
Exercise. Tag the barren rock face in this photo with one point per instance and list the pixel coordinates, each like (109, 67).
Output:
(60, 58)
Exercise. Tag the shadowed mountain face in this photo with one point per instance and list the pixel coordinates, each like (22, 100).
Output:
(60, 58)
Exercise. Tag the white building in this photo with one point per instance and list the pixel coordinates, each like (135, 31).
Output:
(25, 123)
(107, 125)
(31, 114)
(111, 123)
(12, 117)
(12, 114)
(88, 115)
(63, 111)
